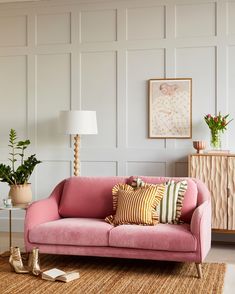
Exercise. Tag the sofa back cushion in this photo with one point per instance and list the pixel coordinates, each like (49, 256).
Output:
(89, 197)
(190, 196)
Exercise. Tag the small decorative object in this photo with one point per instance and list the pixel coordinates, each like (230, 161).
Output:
(217, 125)
(78, 122)
(199, 146)
(170, 108)
(7, 202)
(18, 176)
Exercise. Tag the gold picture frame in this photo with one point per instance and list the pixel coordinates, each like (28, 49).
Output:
(170, 108)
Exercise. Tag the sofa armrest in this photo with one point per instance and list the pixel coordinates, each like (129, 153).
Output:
(41, 211)
(201, 228)
(203, 192)
(44, 210)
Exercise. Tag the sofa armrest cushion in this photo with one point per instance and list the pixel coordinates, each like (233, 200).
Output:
(41, 211)
(201, 227)
(44, 210)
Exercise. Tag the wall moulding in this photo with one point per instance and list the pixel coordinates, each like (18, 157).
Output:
(43, 72)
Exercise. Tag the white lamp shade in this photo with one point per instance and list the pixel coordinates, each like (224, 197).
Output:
(79, 122)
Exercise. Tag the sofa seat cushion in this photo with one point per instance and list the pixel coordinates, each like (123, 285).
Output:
(72, 231)
(166, 237)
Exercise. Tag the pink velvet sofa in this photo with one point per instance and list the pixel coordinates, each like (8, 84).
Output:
(71, 222)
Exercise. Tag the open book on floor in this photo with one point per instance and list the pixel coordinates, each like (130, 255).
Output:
(56, 274)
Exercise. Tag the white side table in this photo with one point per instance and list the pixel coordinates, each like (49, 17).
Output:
(10, 209)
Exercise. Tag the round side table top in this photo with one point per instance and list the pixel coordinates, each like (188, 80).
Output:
(21, 207)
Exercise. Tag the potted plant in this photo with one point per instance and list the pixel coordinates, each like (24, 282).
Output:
(17, 176)
(217, 125)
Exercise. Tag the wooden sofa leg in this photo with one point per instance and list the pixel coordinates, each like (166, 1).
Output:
(199, 270)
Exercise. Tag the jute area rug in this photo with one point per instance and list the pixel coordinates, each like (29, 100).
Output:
(115, 276)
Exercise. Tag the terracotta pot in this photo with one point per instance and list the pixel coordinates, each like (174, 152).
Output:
(199, 146)
(20, 194)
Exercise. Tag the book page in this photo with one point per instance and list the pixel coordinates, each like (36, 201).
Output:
(70, 276)
(53, 273)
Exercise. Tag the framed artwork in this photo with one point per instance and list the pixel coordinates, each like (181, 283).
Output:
(170, 108)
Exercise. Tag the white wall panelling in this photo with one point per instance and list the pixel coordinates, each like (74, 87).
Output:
(13, 31)
(150, 63)
(54, 171)
(151, 26)
(187, 16)
(98, 25)
(98, 55)
(13, 84)
(56, 26)
(204, 85)
(53, 94)
(146, 168)
(98, 92)
(104, 168)
(231, 18)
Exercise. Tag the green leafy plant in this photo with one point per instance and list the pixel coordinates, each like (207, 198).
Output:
(217, 123)
(18, 175)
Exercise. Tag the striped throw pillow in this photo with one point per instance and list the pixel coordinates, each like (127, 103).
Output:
(139, 206)
(169, 210)
(126, 187)
(115, 190)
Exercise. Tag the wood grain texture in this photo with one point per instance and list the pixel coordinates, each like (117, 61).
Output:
(212, 170)
(231, 193)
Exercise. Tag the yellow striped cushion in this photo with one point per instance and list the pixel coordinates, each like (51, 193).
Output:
(136, 206)
(115, 191)
(169, 211)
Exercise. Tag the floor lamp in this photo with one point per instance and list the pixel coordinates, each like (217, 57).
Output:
(77, 123)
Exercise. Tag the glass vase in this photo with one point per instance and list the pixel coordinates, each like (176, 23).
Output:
(215, 141)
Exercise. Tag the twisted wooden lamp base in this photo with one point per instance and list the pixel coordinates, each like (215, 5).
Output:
(76, 155)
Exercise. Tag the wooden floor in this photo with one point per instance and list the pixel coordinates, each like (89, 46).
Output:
(222, 252)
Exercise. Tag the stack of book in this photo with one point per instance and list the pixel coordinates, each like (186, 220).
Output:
(217, 152)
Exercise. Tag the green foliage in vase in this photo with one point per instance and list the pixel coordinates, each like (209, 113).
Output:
(217, 123)
(18, 175)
